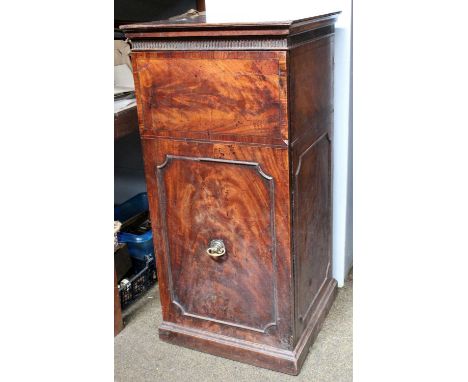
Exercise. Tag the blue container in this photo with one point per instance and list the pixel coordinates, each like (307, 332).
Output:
(139, 246)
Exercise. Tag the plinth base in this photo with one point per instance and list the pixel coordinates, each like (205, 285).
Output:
(284, 361)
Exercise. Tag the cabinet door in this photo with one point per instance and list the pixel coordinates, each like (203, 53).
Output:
(202, 196)
(228, 201)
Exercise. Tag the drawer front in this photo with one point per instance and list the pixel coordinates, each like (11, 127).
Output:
(220, 96)
(218, 193)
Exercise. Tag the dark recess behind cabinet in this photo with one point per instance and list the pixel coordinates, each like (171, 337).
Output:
(149, 10)
(129, 176)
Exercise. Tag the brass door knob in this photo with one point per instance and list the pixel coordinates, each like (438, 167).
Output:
(216, 248)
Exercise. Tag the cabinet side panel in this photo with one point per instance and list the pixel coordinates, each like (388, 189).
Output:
(311, 89)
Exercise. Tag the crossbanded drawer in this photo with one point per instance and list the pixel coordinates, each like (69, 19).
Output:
(228, 96)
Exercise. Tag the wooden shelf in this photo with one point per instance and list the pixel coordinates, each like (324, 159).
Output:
(125, 122)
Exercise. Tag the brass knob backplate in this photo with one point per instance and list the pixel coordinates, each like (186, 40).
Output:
(216, 248)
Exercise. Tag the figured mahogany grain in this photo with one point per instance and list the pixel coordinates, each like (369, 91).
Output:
(211, 95)
(231, 201)
(311, 92)
(311, 88)
(194, 199)
(312, 223)
(237, 147)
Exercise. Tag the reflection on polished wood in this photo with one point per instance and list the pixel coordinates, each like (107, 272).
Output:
(237, 151)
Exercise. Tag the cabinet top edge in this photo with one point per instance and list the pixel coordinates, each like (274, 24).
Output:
(199, 25)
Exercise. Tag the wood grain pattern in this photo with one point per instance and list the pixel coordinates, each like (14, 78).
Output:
(256, 233)
(237, 147)
(312, 222)
(311, 93)
(311, 88)
(227, 200)
(285, 361)
(212, 95)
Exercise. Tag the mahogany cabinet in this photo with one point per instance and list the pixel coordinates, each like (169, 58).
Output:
(236, 122)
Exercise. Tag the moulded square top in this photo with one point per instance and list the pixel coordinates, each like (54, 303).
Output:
(197, 26)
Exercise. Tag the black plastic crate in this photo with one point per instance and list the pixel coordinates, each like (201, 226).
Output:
(133, 287)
